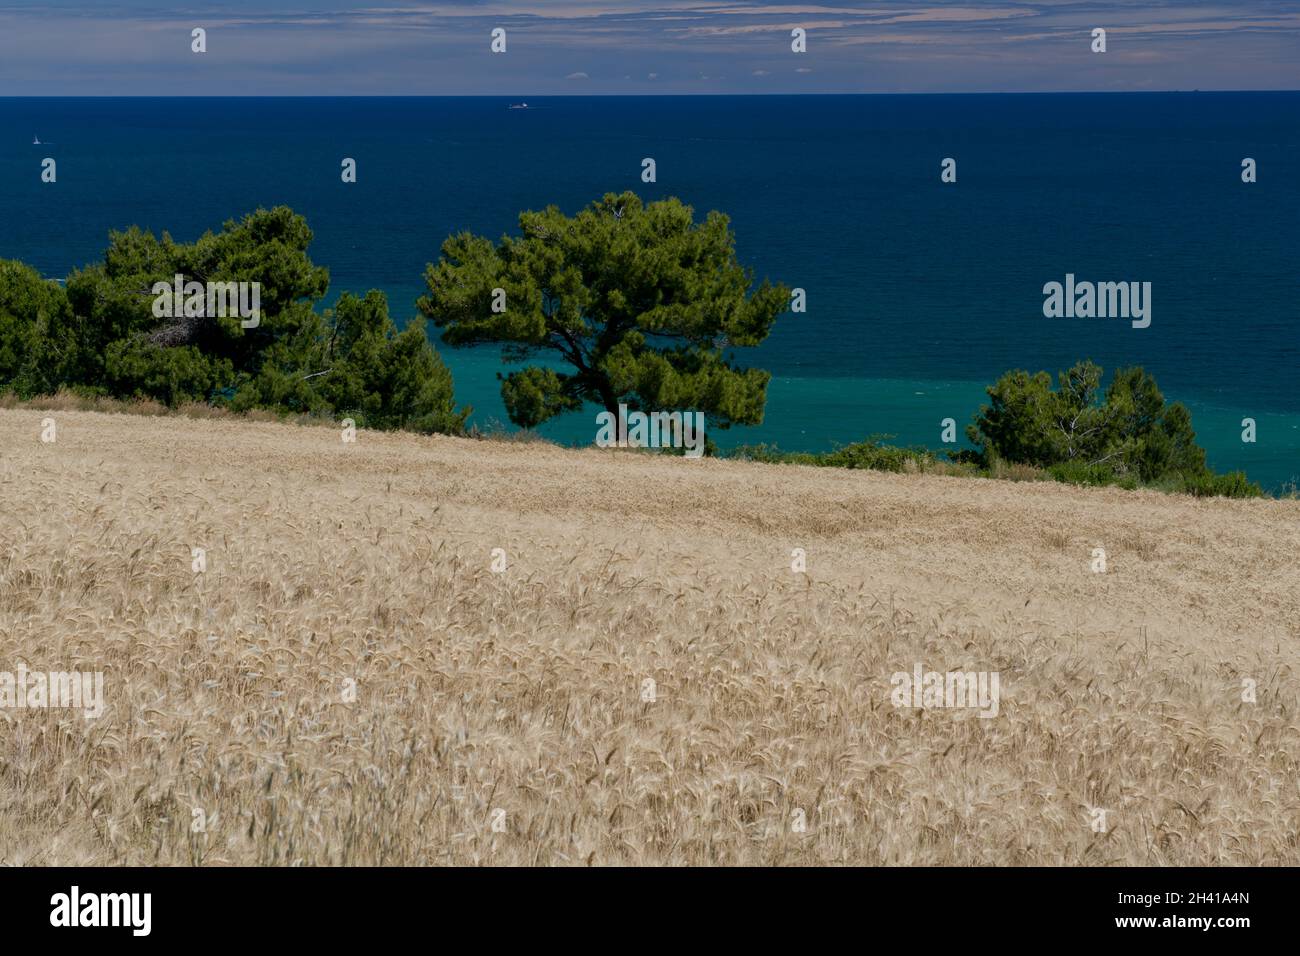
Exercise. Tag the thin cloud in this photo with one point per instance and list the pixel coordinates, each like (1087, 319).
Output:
(132, 47)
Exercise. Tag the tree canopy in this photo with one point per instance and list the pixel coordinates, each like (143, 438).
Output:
(637, 304)
(99, 335)
(1127, 430)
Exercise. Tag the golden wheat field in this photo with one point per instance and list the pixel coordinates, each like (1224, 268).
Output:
(350, 681)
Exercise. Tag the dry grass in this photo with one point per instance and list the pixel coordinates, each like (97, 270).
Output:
(1057, 538)
(66, 400)
(1015, 471)
(522, 690)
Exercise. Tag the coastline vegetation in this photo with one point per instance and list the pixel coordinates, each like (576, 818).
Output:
(642, 303)
(1126, 436)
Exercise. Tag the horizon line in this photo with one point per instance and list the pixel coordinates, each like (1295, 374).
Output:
(590, 95)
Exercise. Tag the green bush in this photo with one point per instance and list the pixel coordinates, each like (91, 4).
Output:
(1234, 484)
(873, 455)
(1127, 436)
(870, 454)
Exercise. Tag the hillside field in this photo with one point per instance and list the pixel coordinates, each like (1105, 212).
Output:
(352, 678)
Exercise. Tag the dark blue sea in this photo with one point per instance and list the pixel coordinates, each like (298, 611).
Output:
(919, 293)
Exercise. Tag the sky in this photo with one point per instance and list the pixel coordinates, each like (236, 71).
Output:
(596, 47)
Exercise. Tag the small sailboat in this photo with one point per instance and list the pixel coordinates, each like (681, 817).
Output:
(36, 141)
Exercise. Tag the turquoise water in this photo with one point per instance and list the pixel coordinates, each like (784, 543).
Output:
(919, 293)
(817, 414)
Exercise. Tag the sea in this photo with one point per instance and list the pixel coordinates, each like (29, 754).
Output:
(919, 292)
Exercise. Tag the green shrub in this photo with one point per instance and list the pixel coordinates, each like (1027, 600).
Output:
(1081, 473)
(875, 456)
(1127, 436)
(870, 454)
(1233, 484)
